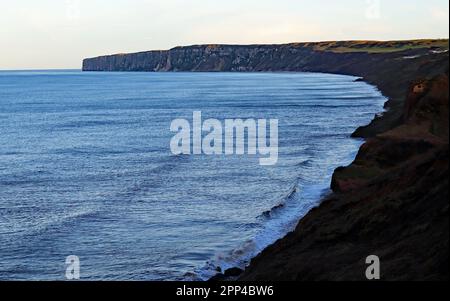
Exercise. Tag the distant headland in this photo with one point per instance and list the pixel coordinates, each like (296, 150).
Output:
(337, 57)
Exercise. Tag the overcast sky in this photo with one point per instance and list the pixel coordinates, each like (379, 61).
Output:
(47, 34)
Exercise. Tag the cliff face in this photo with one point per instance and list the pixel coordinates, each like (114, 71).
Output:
(142, 61)
(351, 57)
(255, 58)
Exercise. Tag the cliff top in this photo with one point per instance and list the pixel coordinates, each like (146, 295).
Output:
(370, 46)
(366, 46)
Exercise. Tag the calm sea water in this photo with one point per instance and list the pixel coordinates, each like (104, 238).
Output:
(86, 169)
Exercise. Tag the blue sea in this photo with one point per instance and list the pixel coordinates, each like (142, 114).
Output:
(86, 169)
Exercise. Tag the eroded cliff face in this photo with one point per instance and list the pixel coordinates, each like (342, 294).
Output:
(253, 58)
(142, 61)
(332, 57)
(424, 127)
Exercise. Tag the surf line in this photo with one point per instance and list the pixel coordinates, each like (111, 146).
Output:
(212, 137)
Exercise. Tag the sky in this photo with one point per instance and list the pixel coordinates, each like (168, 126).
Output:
(58, 34)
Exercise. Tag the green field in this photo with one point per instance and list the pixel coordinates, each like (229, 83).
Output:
(380, 46)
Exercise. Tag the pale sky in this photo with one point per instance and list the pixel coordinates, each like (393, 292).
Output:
(46, 34)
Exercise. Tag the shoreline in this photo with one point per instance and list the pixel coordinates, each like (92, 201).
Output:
(321, 190)
(234, 273)
(367, 132)
(392, 200)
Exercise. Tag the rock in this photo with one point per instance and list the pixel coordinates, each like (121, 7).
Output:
(218, 277)
(233, 272)
(229, 274)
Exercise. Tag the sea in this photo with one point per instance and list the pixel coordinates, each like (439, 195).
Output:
(86, 169)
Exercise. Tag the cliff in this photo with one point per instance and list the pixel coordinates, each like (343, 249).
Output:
(392, 201)
(336, 57)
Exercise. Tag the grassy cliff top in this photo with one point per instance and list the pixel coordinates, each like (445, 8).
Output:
(367, 46)
(379, 46)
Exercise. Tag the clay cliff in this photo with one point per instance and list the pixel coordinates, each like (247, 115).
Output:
(392, 201)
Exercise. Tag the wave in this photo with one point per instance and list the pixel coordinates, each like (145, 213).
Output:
(55, 221)
(290, 195)
(274, 224)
